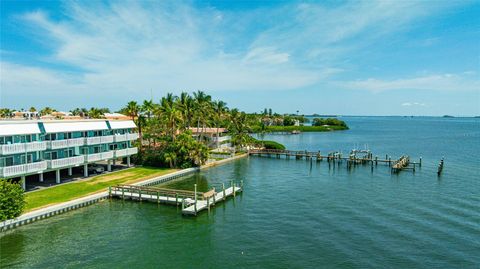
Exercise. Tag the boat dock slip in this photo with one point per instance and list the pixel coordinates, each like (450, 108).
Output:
(192, 202)
(355, 157)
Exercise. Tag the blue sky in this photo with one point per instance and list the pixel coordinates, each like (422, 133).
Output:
(327, 57)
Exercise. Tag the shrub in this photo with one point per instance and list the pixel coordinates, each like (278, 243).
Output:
(328, 121)
(12, 200)
(273, 145)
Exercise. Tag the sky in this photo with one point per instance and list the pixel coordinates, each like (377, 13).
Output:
(325, 57)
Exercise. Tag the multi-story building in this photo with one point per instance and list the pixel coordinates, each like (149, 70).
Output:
(35, 147)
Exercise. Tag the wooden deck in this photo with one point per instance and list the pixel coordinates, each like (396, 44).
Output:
(355, 157)
(192, 202)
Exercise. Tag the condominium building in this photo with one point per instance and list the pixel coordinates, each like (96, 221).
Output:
(34, 147)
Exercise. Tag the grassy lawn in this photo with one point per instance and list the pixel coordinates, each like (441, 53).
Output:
(70, 191)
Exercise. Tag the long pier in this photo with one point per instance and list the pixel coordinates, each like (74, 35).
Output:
(355, 157)
(192, 202)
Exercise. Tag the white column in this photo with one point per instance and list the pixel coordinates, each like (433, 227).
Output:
(85, 170)
(57, 176)
(109, 166)
(40, 177)
(70, 171)
(23, 182)
(128, 161)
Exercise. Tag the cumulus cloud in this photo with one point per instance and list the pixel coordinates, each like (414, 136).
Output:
(128, 47)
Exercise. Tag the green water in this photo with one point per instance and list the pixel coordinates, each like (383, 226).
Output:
(292, 214)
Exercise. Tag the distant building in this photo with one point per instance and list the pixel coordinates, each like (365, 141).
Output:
(211, 135)
(36, 147)
(116, 116)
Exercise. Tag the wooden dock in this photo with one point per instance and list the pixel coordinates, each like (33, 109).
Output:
(355, 157)
(192, 202)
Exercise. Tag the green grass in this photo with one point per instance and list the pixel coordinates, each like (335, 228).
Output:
(74, 190)
(305, 128)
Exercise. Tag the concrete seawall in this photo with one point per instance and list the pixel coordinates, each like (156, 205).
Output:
(94, 198)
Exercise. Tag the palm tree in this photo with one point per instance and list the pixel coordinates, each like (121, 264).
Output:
(132, 109)
(148, 107)
(95, 113)
(32, 109)
(167, 111)
(171, 158)
(219, 107)
(47, 111)
(203, 109)
(185, 104)
(5, 113)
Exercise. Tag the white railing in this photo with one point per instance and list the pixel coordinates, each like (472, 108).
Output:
(71, 161)
(132, 136)
(18, 170)
(125, 137)
(121, 153)
(22, 147)
(99, 140)
(74, 142)
(99, 156)
(132, 151)
(125, 152)
(221, 138)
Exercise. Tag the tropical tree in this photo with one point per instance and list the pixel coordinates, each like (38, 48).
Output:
(219, 107)
(12, 200)
(95, 113)
(32, 109)
(147, 107)
(47, 111)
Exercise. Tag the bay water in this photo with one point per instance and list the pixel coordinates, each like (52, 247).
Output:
(292, 213)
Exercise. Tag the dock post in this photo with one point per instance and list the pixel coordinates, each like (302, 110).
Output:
(420, 162)
(140, 194)
(241, 184)
(233, 188)
(183, 203)
(110, 192)
(223, 187)
(158, 197)
(195, 206)
(208, 203)
(389, 161)
(176, 199)
(376, 160)
(123, 193)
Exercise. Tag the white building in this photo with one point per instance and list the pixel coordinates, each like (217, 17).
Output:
(36, 147)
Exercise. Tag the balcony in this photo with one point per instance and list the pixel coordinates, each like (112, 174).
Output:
(22, 169)
(22, 147)
(125, 137)
(221, 138)
(125, 152)
(99, 140)
(66, 143)
(99, 156)
(66, 162)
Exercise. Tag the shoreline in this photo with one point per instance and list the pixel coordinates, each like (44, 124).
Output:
(93, 198)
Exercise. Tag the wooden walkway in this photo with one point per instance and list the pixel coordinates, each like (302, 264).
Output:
(355, 157)
(192, 202)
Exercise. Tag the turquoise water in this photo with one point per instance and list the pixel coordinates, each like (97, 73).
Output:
(292, 214)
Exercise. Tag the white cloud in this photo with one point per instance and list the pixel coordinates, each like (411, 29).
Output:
(442, 82)
(413, 104)
(128, 47)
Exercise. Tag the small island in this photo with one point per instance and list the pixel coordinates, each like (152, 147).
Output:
(276, 123)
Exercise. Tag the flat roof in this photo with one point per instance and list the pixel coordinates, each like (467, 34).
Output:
(19, 129)
(65, 127)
